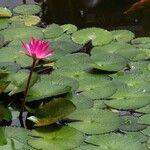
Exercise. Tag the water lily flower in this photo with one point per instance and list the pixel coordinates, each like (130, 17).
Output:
(37, 49)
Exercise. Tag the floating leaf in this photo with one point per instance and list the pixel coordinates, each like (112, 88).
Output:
(3, 140)
(145, 109)
(145, 119)
(123, 35)
(94, 121)
(1, 40)
(97, 35)
(4, 23)
(53, 111)
(28, 20)
(108, 62)
(115, 141)
(5, 12)
(52, 31)
(21, 33)
(129, 123)
(52, 85)
(3, 85)
(19, 81)
(5, 113)
(146, 131)
(27, 9)
(56, 137)
(69, 28)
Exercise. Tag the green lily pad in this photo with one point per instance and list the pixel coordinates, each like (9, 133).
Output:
(97, 35)
(52, 85)
(124, 49)
(129, 123)
(27, 9)
(28, 20)
(3, 140)
(146, 131)
(123, 35)
(52, 31)
(5, 12)
(94, 121)
(128, 103)
(16, 138)
(19, 82)
(139, 136)
(145, 109)
(99, 90)
(56, 137)
(1, 40)
(145, 119)
(53, 111)
(21, 33)
(81, 101)
(108, 62)
(115, 141)
(4, 23)
(69, 28)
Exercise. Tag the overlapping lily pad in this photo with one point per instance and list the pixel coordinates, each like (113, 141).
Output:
(52, 85)
(4, 23)
(97, 35)
(115, 141)
(123, 35)
(94, 121)
(5, 12)
(56, 137)
(69, 28)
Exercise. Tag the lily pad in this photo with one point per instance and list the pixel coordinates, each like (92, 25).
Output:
(27, 9)
(4, 23)
(97, 35)
(21, 33)
(146, 131)
(94, 121)
(28, 20)
(129, 123)
(108, 62)
(123, 35)
(145, 119)
(52, 85)
(3, 140)
(53, 111)
(5, 12)
(145, 109)
(16, 138)
(69, 28)
(56, 137)
(52, 31)
(115, 141)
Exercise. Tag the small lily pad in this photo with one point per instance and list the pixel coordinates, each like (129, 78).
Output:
(52, 31)
(27, 9)
(97, 35)
(5, 12)
(69, 28)
(123, 35)
(28, 20)
(5, 113)
(4, 23)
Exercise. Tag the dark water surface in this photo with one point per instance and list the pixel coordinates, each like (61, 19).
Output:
(108, 14)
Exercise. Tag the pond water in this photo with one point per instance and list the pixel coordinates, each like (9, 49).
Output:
(84, 13)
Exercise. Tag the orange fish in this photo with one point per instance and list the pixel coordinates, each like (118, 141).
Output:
(138, 5)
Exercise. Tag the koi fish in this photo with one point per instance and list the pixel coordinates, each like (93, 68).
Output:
(138, 5)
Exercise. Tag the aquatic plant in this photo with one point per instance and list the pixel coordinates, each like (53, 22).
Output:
(91, 93)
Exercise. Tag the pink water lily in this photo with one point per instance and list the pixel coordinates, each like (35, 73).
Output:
(38, 49)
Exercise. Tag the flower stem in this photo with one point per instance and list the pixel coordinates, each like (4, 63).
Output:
(27, 86)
